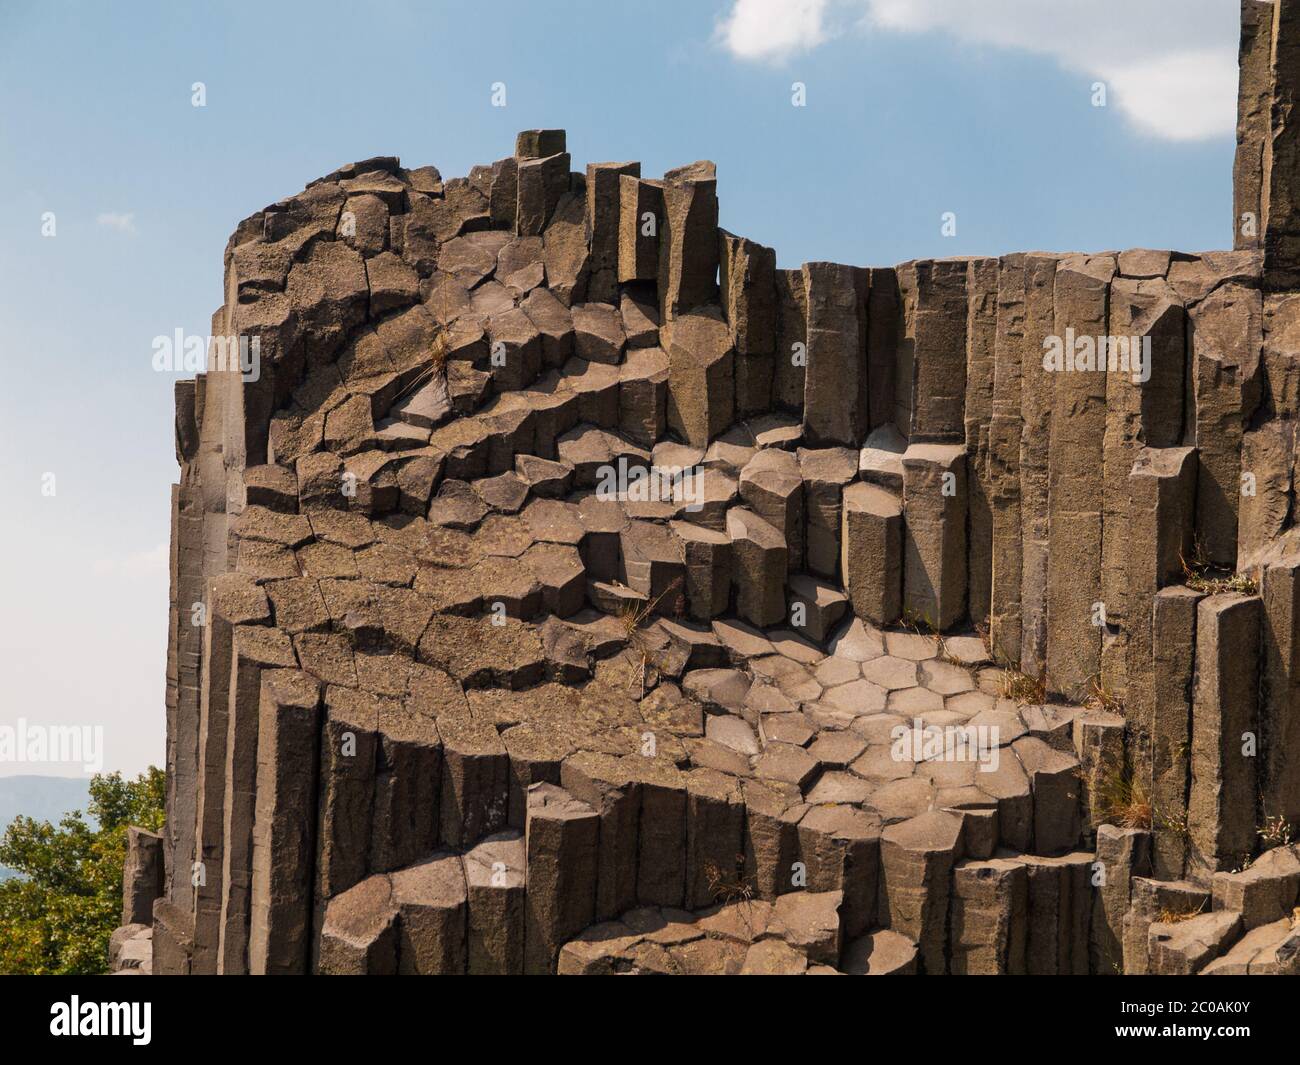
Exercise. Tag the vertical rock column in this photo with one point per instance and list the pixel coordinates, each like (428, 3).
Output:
(603, 225)
(1036, 403)
(1225, 738)
(1160, 516)
(1280, 195)
(791, 363)
(1143, 313)
(543, 178)
(1059, 914)
(871, 552)
(883, 334)
(930, 388)
(1169, 724)
(1003, 462)
(916, 858)
(934, 533)
(183, 740)
(835, 386)
(210, 811)
(640, 216)
(688, 243)
(988, 919)
(747, 272)
(981, 349)
(1254, 106)
(701, 376)
(1225, 338)
(1122, 853)
(561, 848)
(1075, 476)
(1280, 706)
(284, 830)
(142, 875)
(255, 648)
(826, 472)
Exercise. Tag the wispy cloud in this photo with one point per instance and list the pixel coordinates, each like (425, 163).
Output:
(123, 223)
(1171, 70)
(137, 564)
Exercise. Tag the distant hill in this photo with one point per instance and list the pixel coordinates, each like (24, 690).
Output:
(44, 798)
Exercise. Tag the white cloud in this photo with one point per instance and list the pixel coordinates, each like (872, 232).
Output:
(1171, 70)
(773, 29)
(123, 223)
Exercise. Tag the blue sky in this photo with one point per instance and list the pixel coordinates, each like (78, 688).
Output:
(914, 108)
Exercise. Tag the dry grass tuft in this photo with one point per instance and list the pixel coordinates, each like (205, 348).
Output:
(633, 619)
(731, 889)
(1168, 916)
(1124, 801)
(918, 624)
(1200, 575)
(1021, 688)
(1103, 699)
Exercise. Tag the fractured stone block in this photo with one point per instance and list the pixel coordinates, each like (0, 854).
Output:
(1225, 736)
(934, 533)
(835, 403)
(701, 376)
(561, 847)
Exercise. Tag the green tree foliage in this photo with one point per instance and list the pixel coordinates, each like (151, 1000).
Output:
(56, 917)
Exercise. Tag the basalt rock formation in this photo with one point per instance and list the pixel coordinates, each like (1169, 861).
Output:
(568, 588)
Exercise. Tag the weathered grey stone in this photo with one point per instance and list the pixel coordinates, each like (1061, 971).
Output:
(701, 383)
(990, 902)
(1160, 517)
(871, 552)
(359, 932)
(1225, 723)
(758, 556)
(916, 858)
(791, 359)
(1225, 337)
(1263, 893)
(826, 473)
(934, 533)
(747, 274)
(1173, 642)
(1122, 854)
(706, 554)
(561, 843)
(930, 384)
(1036, 404)
(1151, 901)
(688, 242)
(640, 216)
(840, 847)
(1184, 948)
(772, 485)
(835, 407)
(882, 953)
(1075, 474)
(541, 182)
(1280, 690)
(1059, 914)
(816, 606)
(494, 880)
(284, 829)
(603, 209)
(142, 875)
